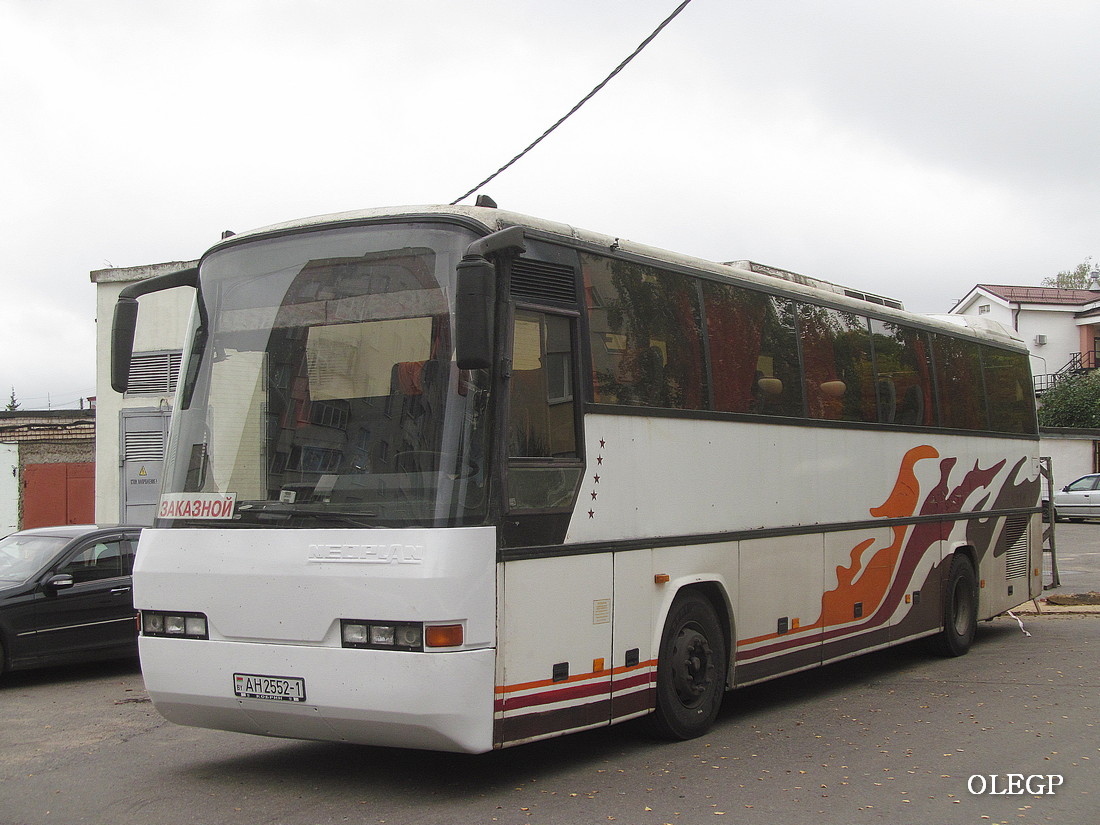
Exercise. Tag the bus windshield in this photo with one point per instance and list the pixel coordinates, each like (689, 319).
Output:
(320, 388)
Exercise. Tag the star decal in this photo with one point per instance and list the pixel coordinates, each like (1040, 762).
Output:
(596, 478)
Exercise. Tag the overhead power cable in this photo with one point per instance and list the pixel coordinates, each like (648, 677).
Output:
(583, 100)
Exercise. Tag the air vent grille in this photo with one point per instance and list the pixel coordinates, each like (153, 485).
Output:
(543, 282)
(1016, 543)
(144, 446)
(154, 372)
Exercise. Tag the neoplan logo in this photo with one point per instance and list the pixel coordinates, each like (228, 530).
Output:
(1036, 784)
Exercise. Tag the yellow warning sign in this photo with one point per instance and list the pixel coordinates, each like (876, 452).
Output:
(142, 472)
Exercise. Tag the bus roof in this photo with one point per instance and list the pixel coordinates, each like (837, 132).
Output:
(747, 272)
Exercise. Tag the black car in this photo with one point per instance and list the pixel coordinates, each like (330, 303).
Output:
(66, 595)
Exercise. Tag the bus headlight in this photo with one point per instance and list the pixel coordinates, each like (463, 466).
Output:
(378, 635)
(179, 625)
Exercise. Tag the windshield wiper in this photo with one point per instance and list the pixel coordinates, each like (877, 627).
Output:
(280, 511)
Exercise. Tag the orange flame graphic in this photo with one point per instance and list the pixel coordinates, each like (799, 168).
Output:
(836, 604)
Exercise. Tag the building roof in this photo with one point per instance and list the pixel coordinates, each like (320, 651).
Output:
(1041, 294)
(47, 425)
(129, 274)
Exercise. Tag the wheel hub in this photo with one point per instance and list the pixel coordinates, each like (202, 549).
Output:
(693, 666)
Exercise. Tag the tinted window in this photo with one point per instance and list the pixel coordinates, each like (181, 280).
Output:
(903, 375)
(102, 560)
(541, 422)
(1008, 389)
(753, 351)
(836, 356)
(541, 415)
(645, 335)
(959, 376)
(766, 355)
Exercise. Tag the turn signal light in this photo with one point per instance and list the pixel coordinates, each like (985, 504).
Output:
(443, 635)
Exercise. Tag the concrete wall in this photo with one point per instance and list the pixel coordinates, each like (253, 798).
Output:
(1062, 336)
(1073, 452)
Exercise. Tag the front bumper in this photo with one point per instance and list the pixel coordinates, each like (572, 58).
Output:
(432, 701)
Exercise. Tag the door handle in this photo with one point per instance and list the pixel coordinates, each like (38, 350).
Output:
(120, 589)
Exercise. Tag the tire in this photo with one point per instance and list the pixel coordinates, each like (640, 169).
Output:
(960, 610)
(691, 669)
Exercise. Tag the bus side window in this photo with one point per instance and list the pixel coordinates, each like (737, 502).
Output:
(544, 463)
(903, 374)
(753, 351)
(541, 421)
(1007, 379)
(961, 391)
(836, 353)
(646, 336)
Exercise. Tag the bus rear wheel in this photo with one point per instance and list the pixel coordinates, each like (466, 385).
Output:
(691, 669)
(960, 609)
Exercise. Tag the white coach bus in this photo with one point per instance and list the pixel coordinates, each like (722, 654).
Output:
(456, 478)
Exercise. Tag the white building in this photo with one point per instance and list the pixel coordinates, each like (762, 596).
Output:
(131, 429)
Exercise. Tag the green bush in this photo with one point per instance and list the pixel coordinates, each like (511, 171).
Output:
(1074, 402)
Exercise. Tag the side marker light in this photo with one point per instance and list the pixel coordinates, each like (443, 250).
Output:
(443, 635)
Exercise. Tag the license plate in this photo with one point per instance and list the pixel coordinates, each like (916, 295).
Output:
(281, 688)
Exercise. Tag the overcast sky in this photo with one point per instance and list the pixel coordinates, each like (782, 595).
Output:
(908, 149)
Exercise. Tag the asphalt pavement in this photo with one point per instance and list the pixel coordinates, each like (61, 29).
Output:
(1076, 559)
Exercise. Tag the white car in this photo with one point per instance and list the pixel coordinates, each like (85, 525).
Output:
(1079, 499)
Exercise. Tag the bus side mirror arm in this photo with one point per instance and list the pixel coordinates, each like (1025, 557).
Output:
(475, 297)
(125, 320)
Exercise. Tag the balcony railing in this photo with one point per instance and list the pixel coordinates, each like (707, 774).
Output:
(1078, 364)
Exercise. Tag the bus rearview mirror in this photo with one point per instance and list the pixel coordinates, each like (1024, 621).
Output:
(122, 342)
(126, 314)
(475, 294)
(475, 297)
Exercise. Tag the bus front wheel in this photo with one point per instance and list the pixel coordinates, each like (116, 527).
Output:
(960, 609)
(691, 669)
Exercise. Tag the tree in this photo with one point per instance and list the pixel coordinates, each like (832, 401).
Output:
(1076, 278)
(13, 403)
(1073, 402)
